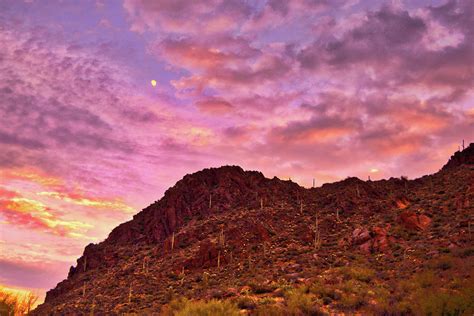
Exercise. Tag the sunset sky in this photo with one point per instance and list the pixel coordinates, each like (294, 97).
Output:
(305, 89)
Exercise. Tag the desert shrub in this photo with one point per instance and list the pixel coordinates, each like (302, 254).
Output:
(443, 263)
(301, 303)
(351, 301)
(358, 273)
(466, 252)
(284, 286)
(270, 310)
(245, 302)
(267, 301)
(446, 303)
(184, 307)
(260, 288)
(6, 307)
(326, 292)
(444, 250)
(425, 279)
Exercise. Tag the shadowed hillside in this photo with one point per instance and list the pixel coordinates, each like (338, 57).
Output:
(268, 246)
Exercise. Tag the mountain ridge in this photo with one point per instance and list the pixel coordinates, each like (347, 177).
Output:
(182, 232)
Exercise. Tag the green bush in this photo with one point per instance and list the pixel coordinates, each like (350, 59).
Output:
(358, 273)
(185, 307)
(301, 303)
(351, 301)
(446, 303)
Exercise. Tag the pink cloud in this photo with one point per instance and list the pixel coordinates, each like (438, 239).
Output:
(214, 106)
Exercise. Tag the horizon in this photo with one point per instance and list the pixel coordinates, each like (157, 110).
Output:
(106, 104)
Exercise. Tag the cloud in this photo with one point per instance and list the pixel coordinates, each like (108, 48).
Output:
(198, 17)
(33, 214)
(31, 275)
(214, 106)
(80, 199)
(10, 139)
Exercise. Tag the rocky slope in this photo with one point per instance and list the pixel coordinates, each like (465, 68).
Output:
(237, 236)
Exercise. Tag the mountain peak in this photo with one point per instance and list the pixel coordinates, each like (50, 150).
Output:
(464, 157)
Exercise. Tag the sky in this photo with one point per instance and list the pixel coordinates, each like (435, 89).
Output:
(298, 89)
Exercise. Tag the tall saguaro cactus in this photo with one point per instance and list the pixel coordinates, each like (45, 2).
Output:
(317, 239)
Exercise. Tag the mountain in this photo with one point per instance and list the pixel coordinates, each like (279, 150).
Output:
(270, 247)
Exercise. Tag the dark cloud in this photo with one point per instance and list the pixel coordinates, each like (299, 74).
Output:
(456, 13)
(11, 139)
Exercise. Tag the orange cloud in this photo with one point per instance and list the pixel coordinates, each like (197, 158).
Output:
(21, 211)
(76, 198)
(32, 175)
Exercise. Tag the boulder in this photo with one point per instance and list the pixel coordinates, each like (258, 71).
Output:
(372, 240)
(412, 221)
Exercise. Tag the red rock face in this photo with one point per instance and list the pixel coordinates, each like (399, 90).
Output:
(415, 222)
(360, 236)
(373, 240)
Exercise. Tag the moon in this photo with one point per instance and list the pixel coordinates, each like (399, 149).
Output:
(153, 83)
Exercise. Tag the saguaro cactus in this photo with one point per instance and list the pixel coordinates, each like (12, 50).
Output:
(210, 200)
(261, 203)
(172, 241)
(84, 290)
(130, 294)
(205, 279)
(85, 263)
(182, 275)
(317, 239)
(221, 237)
(145, 265)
